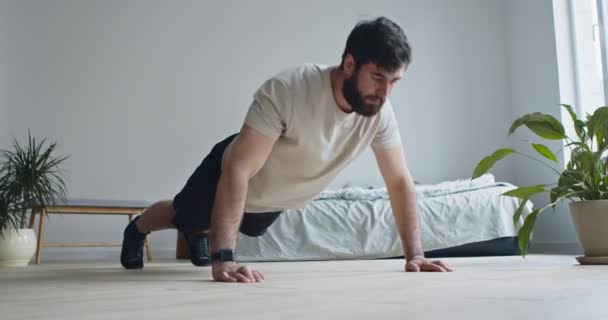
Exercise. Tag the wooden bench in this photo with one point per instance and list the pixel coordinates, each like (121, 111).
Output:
(86, 206)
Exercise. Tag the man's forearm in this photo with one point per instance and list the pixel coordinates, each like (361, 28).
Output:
(403, 203)
(228, 211)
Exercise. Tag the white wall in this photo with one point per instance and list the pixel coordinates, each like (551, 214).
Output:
(3, 73)
(535, 88)
(137, 92)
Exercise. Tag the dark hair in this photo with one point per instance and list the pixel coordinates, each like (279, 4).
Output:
(380, 41)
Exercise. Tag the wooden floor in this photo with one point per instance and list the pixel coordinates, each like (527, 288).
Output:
(541, 287)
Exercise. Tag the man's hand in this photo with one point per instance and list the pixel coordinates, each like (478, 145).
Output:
(421, 264)
(234, 272)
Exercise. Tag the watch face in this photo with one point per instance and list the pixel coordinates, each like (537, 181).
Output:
(223, 255)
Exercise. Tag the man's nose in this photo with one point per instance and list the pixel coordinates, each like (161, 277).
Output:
(384, 90)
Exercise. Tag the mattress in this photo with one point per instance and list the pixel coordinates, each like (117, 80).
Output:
(357, 223)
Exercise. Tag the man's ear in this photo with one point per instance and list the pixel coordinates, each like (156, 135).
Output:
(349, 64)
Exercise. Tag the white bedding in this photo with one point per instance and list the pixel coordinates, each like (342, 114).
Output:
(357, 223)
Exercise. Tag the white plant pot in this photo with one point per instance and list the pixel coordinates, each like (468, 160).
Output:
(591, 222)
(17, 247)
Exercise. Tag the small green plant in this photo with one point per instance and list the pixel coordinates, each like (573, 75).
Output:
(8, 218)
(585, 176)
(29, 175)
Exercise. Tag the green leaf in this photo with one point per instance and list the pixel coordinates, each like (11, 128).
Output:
(570, 111)
(519, 211)
(523, 236)
(543, 125)
(579, 126)
(554, 194)
(488, 162)
(525, 192)
(597, 125)
(544, 151)
(579, 145)
(516, 124)
(559, 192)
(584, 161)
(597, 121)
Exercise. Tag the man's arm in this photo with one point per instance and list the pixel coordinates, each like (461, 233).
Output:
(402, 194)
(241, 162)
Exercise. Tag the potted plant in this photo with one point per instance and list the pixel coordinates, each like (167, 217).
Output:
(584, 180)
(29, 176)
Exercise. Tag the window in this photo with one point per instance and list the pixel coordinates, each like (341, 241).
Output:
(588, 21)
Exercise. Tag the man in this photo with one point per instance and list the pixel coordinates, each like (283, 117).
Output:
(304, 126)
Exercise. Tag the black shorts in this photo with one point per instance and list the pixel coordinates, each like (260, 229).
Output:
(194, 203)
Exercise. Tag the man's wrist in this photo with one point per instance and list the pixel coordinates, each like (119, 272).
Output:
(222, 263)
(414, 256)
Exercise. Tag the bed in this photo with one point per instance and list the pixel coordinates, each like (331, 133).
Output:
(457, 218)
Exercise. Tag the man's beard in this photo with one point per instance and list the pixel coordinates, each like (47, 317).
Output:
(350, 90)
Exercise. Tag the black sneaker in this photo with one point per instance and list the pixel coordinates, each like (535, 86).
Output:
(199, 249)
(132, 254)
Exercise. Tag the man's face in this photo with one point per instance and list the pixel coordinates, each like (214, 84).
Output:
(366, 89)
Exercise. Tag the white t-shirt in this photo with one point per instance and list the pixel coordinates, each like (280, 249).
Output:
(315, 138)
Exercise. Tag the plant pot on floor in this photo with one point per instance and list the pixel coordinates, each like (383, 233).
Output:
(17, 247)
(591, 222)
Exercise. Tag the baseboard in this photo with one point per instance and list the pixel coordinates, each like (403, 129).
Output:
(97, 254)
(556, 248)
(113, 254)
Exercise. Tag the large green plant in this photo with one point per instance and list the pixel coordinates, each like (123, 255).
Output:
(585, 176)
(29, 175)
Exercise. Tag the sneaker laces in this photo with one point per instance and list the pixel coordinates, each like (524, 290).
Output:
(137, 241)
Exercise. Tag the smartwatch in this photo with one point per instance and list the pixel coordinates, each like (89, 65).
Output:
(223, 255)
